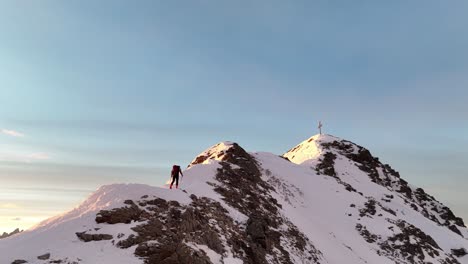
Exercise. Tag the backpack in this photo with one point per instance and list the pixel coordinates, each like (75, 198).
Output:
(175, 170)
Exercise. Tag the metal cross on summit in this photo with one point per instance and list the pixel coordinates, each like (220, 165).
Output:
(320, 127)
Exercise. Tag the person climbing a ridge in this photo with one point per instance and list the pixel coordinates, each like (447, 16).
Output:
(175, 175)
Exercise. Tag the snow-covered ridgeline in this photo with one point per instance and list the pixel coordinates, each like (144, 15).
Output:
(326, 200)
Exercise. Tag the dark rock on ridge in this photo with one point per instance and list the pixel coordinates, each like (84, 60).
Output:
(44, 257)
(459, 252)
(19, 261)
(418, 199)
(93, 237)
(240, 189)
(119, 215)
(14, 232)
(171, 232)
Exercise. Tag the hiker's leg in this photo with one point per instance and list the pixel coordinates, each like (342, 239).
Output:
(177, 181)
(173, 179)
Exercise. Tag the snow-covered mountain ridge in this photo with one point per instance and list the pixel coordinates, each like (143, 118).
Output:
(327, 200)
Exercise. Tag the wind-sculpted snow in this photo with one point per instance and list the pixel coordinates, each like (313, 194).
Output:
(326, 200)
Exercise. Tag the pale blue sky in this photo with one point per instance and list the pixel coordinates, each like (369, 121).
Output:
(113, 91)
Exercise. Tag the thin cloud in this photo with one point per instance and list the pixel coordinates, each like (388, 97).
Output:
(12, 133)
(16, 219)
(38, 156)
(9, 206)
(19, 157)
(120, 126)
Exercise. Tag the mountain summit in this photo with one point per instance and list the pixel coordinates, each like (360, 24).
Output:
(327, 200)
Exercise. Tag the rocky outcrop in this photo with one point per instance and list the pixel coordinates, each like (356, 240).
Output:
(368, 209)
(19, 261)
(217, 152)
(171, 228)
(239, 181)
(83, 236)
(371, 208)
(174, 233)
(409, 244)
(44, 257)
(459, 252)
(14, 232)
(384, 175)
(326, 165)
(123, 215)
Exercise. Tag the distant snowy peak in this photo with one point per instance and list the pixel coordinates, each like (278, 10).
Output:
(215, 153)
(332, 156)
(309, 149)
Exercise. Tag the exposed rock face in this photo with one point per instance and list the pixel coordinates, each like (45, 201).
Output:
(14, 232)
(459, 252)
(414, 245)
(93, 237)
(241, 180)
(369, 208)
(175, 233)
(409, 245)
(217, 152)
(19, 261)
(120, 215)
(171, 228)
(44, 257)
(326, 165)
(384, 175)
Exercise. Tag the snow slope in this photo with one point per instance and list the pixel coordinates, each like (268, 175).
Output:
(57, 235)
(324, 205)
(326, 200)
